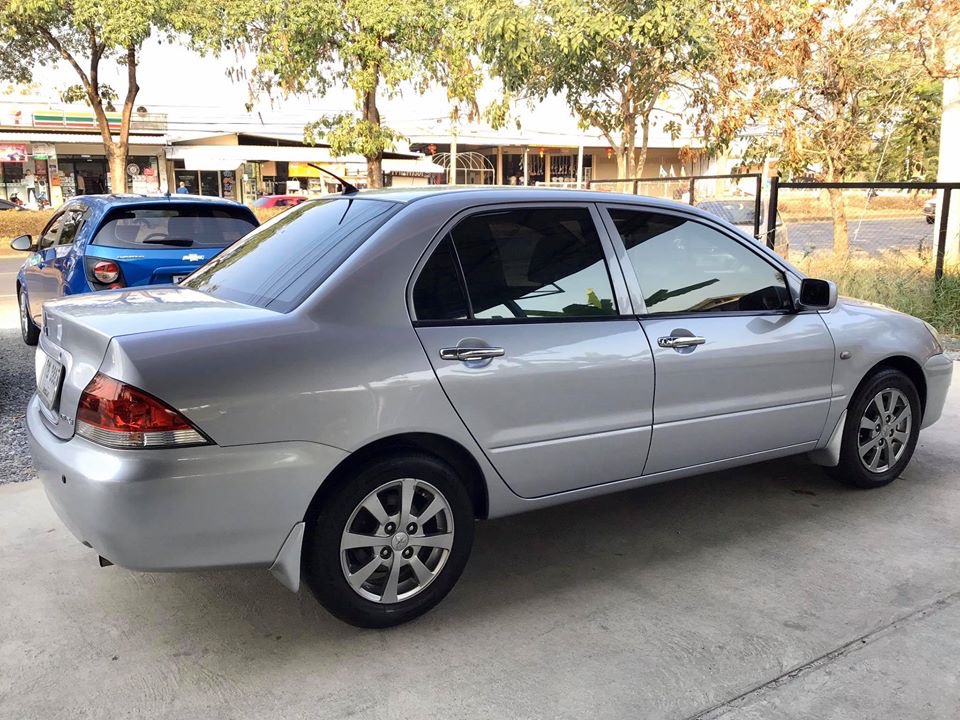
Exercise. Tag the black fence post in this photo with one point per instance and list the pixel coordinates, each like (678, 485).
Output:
(693, 184)
(942, 234)
(636, 184)
(772, 211)
(757, 207)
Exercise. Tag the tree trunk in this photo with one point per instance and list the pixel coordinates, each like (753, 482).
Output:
(622, 166)
(644, 142)
(117, 165)
(371, 114)
(841, 241)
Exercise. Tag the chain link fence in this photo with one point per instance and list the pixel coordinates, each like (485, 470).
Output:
(897, 244)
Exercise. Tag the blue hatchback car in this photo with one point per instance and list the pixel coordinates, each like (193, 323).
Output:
(100, 242)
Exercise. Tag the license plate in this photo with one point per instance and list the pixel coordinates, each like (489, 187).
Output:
(49, 385)
(178, 278)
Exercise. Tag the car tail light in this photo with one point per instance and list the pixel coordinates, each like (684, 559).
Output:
(106, 272)
(118, 415)
(103, 274)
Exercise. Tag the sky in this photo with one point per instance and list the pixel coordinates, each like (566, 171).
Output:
(198, 97)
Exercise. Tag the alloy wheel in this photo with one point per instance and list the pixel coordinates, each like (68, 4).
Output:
(884, 430)
(24, 315)
(396, 541)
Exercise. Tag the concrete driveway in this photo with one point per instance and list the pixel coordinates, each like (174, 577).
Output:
(764, 592)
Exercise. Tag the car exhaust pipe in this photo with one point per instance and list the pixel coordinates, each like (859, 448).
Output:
(103, 561)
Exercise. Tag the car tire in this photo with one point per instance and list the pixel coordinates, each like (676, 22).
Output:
(880, 432)
(28, 329)
(368, 530)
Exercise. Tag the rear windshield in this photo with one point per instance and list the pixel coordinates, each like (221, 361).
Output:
(200, 227)
(285, 259)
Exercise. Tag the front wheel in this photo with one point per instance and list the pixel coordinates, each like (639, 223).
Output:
(28, 330)
(881, 430)
(390, 543)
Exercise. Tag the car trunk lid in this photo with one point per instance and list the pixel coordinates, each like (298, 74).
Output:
(77, 332)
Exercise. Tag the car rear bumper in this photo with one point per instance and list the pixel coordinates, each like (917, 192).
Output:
(179, 509)
(938, 371)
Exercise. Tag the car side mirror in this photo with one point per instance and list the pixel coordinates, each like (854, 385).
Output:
(817, 294)
(23, 243)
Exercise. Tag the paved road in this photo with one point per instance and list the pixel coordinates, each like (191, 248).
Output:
(8, 277)
(764, 592)
(870, 235)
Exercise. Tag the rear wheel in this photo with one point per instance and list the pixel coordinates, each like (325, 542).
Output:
(881, 430)
(29, 331)
(391, 543)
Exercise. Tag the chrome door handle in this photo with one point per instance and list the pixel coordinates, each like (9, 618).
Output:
(465, 354)
(682, 341)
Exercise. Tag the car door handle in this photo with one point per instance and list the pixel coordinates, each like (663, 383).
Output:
(465, 354)
(683, 341)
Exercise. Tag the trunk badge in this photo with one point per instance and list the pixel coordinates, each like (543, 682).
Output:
(192, 257)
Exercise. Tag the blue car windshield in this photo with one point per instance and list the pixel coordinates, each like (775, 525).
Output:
(168, 227)
(284, 260)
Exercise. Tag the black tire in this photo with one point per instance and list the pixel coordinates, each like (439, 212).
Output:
(322, 568)
(852, 470)
(28, 330)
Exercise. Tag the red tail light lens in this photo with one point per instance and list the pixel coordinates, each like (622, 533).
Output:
(118, 415)
(106, 272)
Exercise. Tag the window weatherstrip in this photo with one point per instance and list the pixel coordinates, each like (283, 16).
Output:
(461, 276)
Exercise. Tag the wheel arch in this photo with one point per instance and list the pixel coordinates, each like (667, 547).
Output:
(439, 446)
(908, 366)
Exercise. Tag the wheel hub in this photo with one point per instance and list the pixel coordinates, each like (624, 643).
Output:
(399, 541)
(884, 430)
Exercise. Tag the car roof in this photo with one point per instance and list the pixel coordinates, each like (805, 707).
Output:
(131, 199)
(485, 194)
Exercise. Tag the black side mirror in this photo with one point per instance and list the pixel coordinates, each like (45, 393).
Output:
(23, 243)
(817, 294)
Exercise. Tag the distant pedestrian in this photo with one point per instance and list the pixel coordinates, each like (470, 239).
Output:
(30, 183)
(183, 189)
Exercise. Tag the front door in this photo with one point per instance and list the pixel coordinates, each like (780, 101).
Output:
(738, 371)
(519, 315)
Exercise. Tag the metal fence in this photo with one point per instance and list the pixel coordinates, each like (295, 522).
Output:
(736, 198)
(896, 221)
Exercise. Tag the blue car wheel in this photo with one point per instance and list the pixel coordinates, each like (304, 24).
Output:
(28, 329)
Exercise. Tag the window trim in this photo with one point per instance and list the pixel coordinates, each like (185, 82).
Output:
(633, 282)
(618, 286)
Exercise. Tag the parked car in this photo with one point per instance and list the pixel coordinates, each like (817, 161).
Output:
(99, 242)
(341, 393)
(741, 212)
(273, 201)
(930, 210)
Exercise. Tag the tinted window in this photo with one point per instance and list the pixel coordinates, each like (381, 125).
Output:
(284, 260)
(438, 294)
(736, 212)
(534, 263)
(685, 266)
(73, 220)
(51, 236)
(166, 226)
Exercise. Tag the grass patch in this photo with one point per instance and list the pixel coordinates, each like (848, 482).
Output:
(895, 279)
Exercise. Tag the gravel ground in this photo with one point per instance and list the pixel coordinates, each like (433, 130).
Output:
(16, 386)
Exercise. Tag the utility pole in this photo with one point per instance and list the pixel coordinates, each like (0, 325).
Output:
(949, 166)
(452, 175)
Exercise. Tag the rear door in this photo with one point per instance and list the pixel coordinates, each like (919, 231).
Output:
(738, 371)
(533, 340)
(165, 243)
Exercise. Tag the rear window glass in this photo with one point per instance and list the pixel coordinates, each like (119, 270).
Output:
(200, 227)
(285, 259)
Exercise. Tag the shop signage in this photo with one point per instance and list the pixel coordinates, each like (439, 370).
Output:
(13, 153)
(53, 118)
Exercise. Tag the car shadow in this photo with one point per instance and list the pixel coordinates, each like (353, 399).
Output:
(620, 540)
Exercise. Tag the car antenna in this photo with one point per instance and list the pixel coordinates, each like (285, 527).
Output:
(348, 188)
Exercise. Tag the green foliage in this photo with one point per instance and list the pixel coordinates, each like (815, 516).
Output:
(369, 46)
(612, 61)
(910, 146)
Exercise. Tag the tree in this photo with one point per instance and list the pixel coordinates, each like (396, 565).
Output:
(614, 62)
(372, 47)
(84, 34)
(825, 77)
(909, 147)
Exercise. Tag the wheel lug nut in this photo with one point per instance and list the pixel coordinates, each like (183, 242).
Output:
(408, 553)
(389, 528)
(385, 553)
(412, 528)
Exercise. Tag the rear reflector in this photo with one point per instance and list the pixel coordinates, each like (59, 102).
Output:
(118, 415)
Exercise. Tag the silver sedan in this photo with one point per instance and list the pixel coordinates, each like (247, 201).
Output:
(343, 392)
